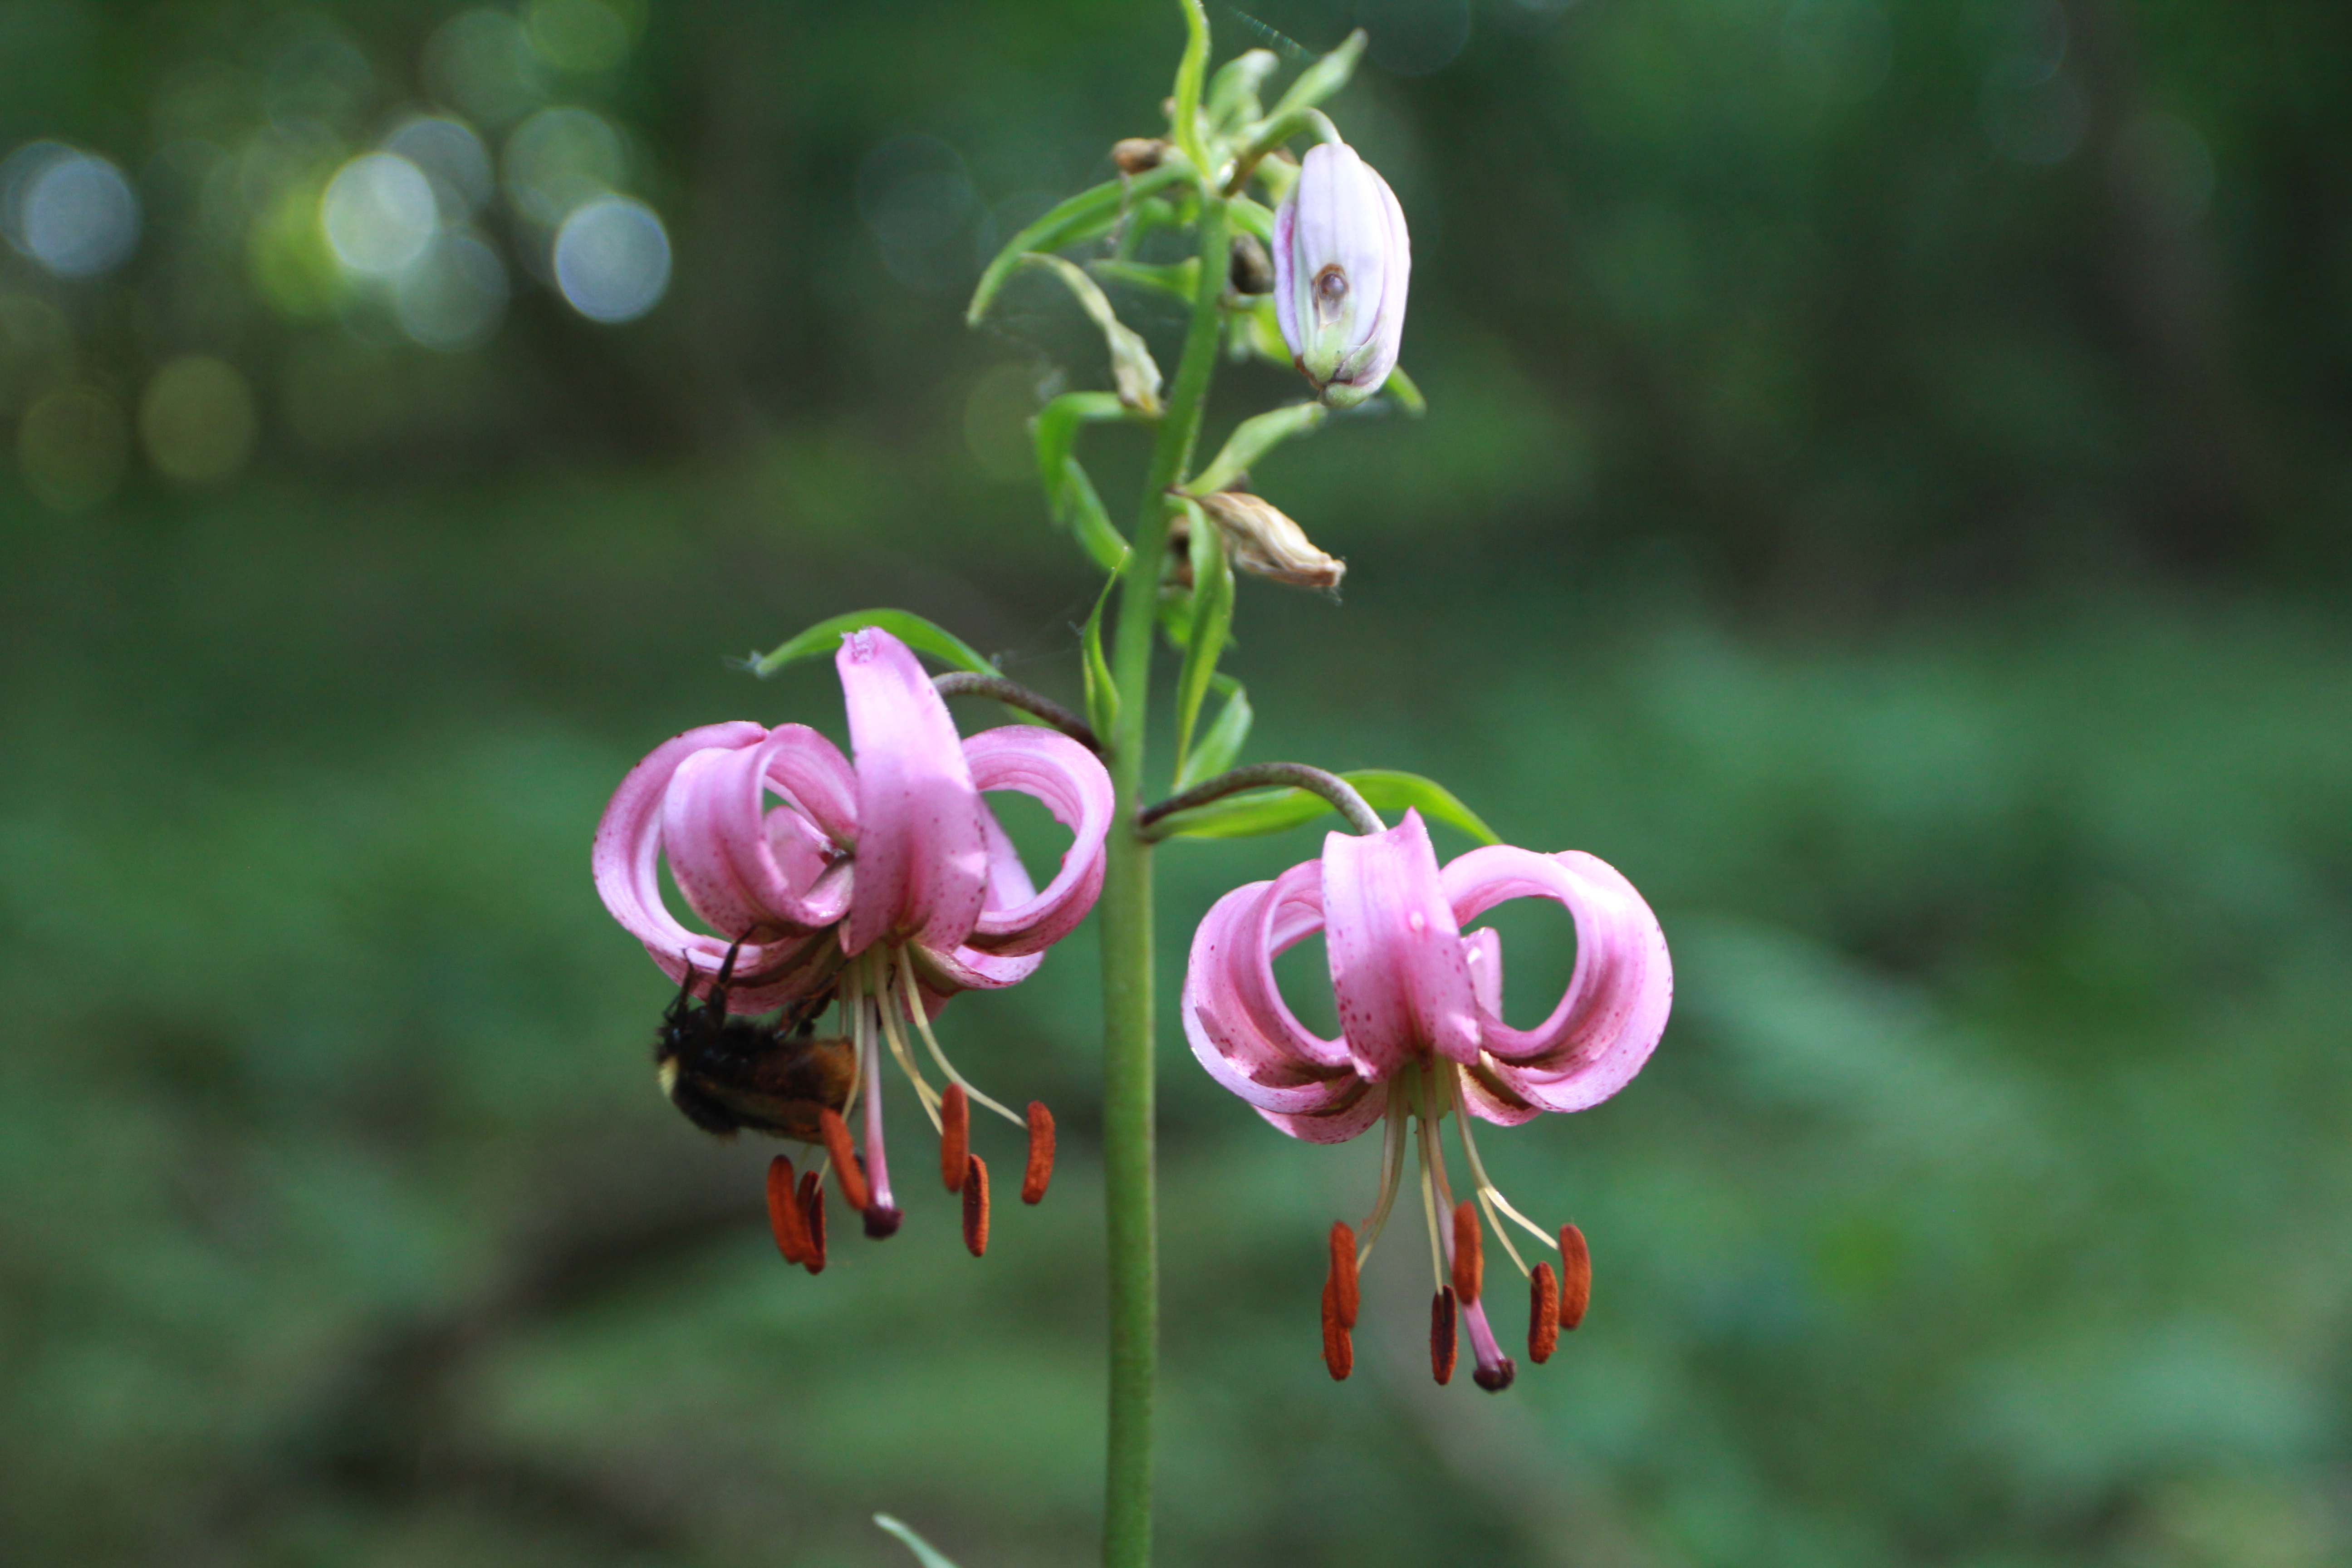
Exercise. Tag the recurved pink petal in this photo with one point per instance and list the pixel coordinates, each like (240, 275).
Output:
(969, 969)
(1398, 969)
(1245, 942)
(1252, 1049)
(1073, 785)
(626, 860)
(720, 835)
(1615, 1007)
(922, 857)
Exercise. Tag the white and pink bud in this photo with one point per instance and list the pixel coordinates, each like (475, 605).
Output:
(1341, 261)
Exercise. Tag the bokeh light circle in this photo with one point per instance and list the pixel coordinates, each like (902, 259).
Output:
(196, 420)
(73, 212)
(379, 213)
(611, 259)
(456, 297)
(452, 158)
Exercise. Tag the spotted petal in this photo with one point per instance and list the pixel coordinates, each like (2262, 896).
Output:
(1398, 969)
(1608, 1020)
(1065, 776)
(922, 854)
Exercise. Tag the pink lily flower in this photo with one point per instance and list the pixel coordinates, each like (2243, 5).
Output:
(881, 880)
(1422, 1036)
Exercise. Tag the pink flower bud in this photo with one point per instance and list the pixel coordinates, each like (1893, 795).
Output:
(1341, 258)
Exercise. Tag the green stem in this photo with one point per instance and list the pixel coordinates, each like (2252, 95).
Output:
(1126, 909)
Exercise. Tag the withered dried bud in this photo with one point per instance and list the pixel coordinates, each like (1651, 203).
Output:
(1251, 270)
(1139, 154)
(1265, 543)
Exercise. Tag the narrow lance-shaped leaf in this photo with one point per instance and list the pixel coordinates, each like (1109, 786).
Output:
(1261, 812)
(1089, 214)
(1090, 520)
(823, 638)
(1251, 217)
(1184, 118)
(1221, 742)
(1055, 430)
(1324, 78)
(1131, 366)
(1180, 279)
(1233, 91)
(1212, 619)
(1252, 439)
(1102, 694)
(927, 1554)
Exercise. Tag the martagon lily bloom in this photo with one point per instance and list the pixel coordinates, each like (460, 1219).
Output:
(1341, 262)
(881, 880)
(1421, 1038)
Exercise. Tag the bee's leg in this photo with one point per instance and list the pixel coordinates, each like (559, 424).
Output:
(685, 1003)
(716, 1006)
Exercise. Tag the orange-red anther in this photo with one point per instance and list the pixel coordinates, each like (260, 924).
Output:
(1338, 1349)
(1469, 1260)
(1442, 1348)
(836, 1133)
(784, 1216)
(1575, 1277)
(1543, 1314)
(1342, 1287)
(975, 1205)
(1040, 1169)
(813, 1211)
(955, 1136)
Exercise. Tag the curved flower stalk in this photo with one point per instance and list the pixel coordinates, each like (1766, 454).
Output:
(1422, 1037)
(881, 880)
(1341, 262)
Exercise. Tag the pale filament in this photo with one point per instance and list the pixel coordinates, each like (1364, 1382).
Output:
(928, 1097)
(914, 1001)
(1488, 1192)
(1391, 1168)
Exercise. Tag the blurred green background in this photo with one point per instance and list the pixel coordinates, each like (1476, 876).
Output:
(1886, 489)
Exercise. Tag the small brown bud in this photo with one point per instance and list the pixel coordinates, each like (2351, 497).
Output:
(1039, 1171)
(836, 1133)
(1442, 1348)
(975, 1206)
(1575, 1277)
(812, 1210)
(1251, 269)
(785, 1219)
(1342, 1276)
(1469, 1259)
(955, 1136)
(1339, 1349)
(1543, 1314)
(1265, 543)
(1139, 154)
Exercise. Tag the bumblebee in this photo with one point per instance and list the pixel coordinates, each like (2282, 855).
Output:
(726, 1074)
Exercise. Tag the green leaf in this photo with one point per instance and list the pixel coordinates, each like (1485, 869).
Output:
(1087, 215)
(1324, 78)
(1070, 495)
(1056, 431)
(1091, 519)
(1179, 278)
(1252, 439)
(1222, 742)
(1252, 217)
(1233, 91)
(1264, 811)
(1399, 387)
(1185, 116)
(1212, 619)
(1131, 366)
(911, 629)
(928, 1556)
(1102, 695)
